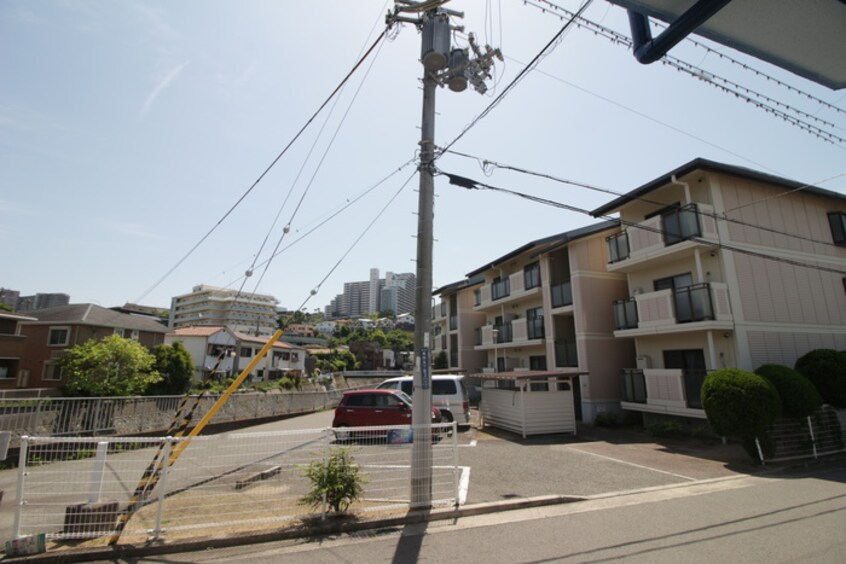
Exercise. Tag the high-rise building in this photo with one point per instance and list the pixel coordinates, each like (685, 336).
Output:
(253, 314)
(395, 292)
(41, 301)
(9, 297)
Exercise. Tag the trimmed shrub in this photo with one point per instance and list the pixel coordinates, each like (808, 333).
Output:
(799, 397)
(741, 403)
(826, 369)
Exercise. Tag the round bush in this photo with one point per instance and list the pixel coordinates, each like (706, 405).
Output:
(739, 403)
(826, 369)
(799, 397)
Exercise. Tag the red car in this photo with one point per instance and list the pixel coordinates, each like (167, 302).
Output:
(370, 408)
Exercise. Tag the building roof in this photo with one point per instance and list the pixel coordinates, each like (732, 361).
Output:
(712, 166)
(16, 316)
(548, 243)
(92, 314)
(262, 339)
(460, 285)
(197, 330)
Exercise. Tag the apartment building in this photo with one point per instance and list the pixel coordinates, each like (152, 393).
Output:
(541, 308)
(455, 325)
(395, 292)
(725, 267)
(212, 306)
(12, 350)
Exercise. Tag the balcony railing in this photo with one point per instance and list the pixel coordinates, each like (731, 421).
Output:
(634, 386)
(562, 294)
(565, 354)
(478, 336)
(680, 224)
(500, 289)
(625, 314)
(535, 328)
(693, 380)
(618, 247)
(504, 333)
(453, 322)
(693, 303)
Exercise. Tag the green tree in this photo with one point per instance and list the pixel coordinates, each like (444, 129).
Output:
(441, 361)
(4, 307)
(176, 367)
(113, 366)
(336, 481)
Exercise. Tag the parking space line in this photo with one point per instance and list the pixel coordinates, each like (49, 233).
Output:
(635, 464)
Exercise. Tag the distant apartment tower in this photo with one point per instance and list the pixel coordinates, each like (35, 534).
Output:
(41, 301)
(398, 293)
(252, 314)
(395, 292)
(9, 297)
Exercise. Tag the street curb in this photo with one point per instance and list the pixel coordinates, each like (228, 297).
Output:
(323, 528)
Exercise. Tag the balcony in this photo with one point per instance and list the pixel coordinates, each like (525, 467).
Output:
(562, 294)
(663, 237)
(534, 328)
(453, 322)
(692, 308)
(504, 291)
(504, 333)
(634, 386)
(625, 314)
(664, 390)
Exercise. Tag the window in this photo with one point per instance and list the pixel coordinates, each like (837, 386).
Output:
(531, 276)
(618, 247)
(674, 282)
(246, 352)
(500, 288)
(537, 363)
(443, 388)
(52, 371)
(837, 221)
(477, 297)
(59, 336)
(5, 372)
(538, 386)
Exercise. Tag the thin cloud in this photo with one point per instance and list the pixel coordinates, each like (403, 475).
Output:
(162, 85)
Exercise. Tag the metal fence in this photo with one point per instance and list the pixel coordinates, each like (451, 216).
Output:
(797, 438)
(81, 488)
(129, 416)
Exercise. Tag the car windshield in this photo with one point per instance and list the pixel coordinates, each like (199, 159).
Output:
(405, 397)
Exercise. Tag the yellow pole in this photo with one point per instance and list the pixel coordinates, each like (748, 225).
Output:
(222, 399)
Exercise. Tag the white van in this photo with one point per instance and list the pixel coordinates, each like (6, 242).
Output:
(448, 394)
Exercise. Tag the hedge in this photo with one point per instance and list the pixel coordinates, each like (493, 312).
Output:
(799, 397)
(826, 369)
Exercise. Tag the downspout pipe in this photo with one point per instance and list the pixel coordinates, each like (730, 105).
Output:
(648, 50)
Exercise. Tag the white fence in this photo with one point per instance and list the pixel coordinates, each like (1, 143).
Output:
(128, 416)
(82, 488)
(798, 438)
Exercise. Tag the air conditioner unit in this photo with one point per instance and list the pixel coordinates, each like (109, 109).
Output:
(642, 362)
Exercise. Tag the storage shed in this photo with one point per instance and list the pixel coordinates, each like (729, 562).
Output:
(528, 402)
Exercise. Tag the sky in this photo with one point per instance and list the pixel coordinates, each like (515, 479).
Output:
(129, 131)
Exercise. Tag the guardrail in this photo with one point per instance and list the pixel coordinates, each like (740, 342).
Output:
(127, 416)
(78, 488)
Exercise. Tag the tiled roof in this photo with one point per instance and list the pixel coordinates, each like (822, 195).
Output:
(92, 314)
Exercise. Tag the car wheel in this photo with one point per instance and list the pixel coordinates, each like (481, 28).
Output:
(446, 416)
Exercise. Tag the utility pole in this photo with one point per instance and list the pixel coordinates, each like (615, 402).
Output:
(441, 66)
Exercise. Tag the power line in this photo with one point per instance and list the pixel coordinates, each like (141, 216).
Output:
(476, 185)
(748, 95)
(541, 54)
(714, 215)
(270, 166)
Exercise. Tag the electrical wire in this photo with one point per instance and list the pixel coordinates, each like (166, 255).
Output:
(320, 162)
(713, 215)
(759, 100)
(471, 184)
(269, 167)
(541, 54)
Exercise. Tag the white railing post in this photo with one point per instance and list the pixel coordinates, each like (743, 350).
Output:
(760, 451)
(326, 447)
(20, 490)
(95, 483)
(455, 472)
(162, 485)
(813, 439)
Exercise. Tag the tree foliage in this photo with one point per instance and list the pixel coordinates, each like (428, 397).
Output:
(175, 365)
(113, 366)
(826, 369)
(741, 403)
(799, 397)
